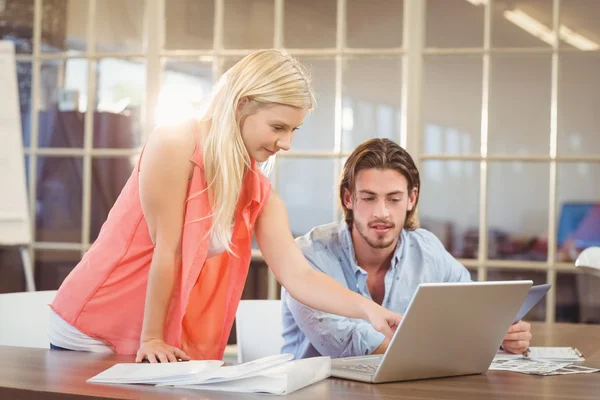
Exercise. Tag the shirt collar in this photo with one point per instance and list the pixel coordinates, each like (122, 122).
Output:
(399, 249)
(348, 247)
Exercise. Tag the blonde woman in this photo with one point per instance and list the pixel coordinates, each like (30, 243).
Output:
(165, 276)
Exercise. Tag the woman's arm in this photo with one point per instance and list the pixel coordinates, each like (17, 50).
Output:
(163, 178)
(306, 285)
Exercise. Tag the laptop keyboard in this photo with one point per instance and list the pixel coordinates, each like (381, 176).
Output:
(365, 368)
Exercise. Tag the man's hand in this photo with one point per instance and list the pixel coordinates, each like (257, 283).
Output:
(517, 339)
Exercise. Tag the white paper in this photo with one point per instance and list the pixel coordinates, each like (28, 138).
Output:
(282, 379)
(256, 384)
(554, 353)
(274, 374)
(526, 366)
(574, 369)
(502, 355)
(238, 371)
(154, 373)
(541, 366)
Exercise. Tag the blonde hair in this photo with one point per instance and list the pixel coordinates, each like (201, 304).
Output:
(266, 78)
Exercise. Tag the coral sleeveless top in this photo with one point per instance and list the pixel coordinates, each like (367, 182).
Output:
(104, 295)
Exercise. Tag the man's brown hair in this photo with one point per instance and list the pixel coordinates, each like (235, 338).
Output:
(380, 154)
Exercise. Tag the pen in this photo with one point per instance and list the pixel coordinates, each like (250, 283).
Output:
(526, 352)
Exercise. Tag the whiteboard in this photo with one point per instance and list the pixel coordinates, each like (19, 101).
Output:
(15, 228)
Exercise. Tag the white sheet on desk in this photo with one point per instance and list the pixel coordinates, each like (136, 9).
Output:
(238, 371)
(557, 354)
(554, 354)
(282, 379)
(525, 366)
(574, 369)
(551, 368)
(502, 355)
(540, 366)
(149, 373)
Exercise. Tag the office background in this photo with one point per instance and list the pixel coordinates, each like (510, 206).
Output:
(497, 100)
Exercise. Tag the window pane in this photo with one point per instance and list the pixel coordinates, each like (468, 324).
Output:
(189, 24)
(26, 164)
(577, 209)
(569, 291)
(63, 100)
(255, 288)
(371, 100)
(58, 199)
(24, 82)
(309, 23)
(248, 24)
(53, 266)
(454, 23)
(449, 204)
(120, 26)
(64, 25)
(578, 104)
(121, 100)
(109, 175)
(11, 269)
(452, 87)
(578, 298)
(317, 132)
(519, 113)
(362, 32)
(579, 24)
(307, 187)
(228, 62)
(16, 24)
(185, 83)
(518, 211)
(474, 273)
(526, 23)
(538, 312)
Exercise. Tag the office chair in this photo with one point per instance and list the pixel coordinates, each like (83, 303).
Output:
(24, 318)
(258, 329)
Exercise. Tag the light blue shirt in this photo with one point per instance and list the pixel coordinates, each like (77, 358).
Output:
(419, 258)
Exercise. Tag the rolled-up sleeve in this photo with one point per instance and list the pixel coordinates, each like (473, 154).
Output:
(335, 336)
(332, 335)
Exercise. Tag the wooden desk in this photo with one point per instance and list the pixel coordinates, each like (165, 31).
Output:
(43, 374)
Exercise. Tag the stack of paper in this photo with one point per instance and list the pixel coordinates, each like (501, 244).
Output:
(282, 379)
(542, 361)
(154, 374)
(525, 366)
(275, 374)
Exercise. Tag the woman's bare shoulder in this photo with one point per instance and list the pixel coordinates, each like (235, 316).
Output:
(174, 140)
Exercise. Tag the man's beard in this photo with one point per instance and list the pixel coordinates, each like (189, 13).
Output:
(379, 243)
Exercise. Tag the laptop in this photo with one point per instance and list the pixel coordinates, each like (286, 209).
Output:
(448, 329)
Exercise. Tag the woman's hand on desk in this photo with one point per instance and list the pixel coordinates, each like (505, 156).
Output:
(156, 350)
(517, 339)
